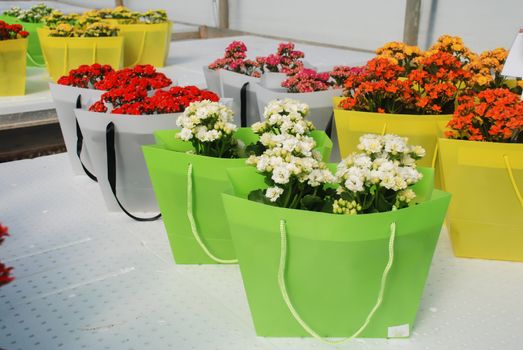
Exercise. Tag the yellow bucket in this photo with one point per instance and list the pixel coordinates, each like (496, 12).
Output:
(421, 130)
(485, 218)
(146, 43)
(12, 67)
(63, 54)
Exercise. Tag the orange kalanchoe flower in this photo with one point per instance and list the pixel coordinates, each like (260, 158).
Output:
(494, 115)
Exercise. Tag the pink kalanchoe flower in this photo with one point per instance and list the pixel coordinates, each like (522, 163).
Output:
(308, 80)
(341, 73)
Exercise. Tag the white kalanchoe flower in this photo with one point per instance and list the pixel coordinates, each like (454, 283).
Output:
(205, 121)
(285, 116)
(273, 193)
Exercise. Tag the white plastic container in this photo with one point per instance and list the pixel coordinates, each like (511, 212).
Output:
(232, 84)
(64, 99)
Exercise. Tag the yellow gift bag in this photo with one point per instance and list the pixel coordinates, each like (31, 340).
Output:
(146, 43)
(421, 130)
(485, 217)
(62, 54)
(12, 67)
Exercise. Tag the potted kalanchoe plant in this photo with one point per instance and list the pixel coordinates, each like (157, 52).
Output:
(31, 19)
(13, 49)
(147, 35)
(5, 271)
(404, 91)
(86, 84)
(314, 88)
(333, 231)
(115, 128)
(236, 75)
(481, 158)
(188, 172)
(276, 67)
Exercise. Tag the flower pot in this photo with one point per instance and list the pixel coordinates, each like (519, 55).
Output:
(421, 130)
(63, 54)
(145, 43)
(320, 103)
(328, 267)
(209, 242)
(65, 100)
(133, 186)
(212, 80)
(273, 80)
(485, 217)
(12, 67)
(240, 88)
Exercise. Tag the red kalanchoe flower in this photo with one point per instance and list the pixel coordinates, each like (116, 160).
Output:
(5, 272)
(133, 100)
(86, 76)
(12, 31)
(494, 115)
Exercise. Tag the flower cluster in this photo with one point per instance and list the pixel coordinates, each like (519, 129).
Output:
(285, 116)
(378, 178)
(125, 16)
(401, 54)
(341, 73)
(209, 127)
(86, 76)
(57, 17)
(92, 30)
(133, 99)
(235, 60)
(286, 60)
(494, 115)
(486, 71)
(34, 14)
(139, 74)
(384, 86)
(292, 168)
(308, 80)
(12, 31)
(452, 45)
(104, 77)
(5, 272)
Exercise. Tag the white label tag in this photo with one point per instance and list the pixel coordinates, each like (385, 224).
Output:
(402, 331)
(514, 64)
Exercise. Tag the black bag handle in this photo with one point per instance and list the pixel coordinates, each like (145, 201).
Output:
(243, 105)
(80, 142)
(111, 171)
(328, 128)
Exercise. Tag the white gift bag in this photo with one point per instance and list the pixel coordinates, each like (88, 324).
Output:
(65, 100)
(273, 80)
(212, 80)
(320, 103)
(127, 173)
(240, 88)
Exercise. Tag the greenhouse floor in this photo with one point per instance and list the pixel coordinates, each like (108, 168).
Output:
(89, 279)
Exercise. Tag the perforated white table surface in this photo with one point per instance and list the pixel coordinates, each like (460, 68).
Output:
(88, 279)
(185, 62)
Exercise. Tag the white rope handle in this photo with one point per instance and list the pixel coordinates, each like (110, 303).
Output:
(297, 317)
(194, 229)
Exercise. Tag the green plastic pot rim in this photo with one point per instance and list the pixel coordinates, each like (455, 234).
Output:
(162, 148)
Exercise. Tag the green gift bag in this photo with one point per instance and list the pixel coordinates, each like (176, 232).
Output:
(327, 275)
(188, 188)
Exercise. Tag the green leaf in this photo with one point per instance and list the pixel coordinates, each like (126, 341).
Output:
(311, 202)
(259, 196)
